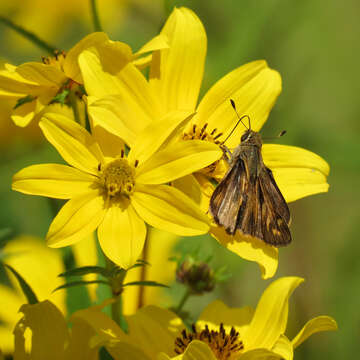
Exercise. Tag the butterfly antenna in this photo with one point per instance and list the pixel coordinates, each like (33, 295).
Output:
(282, 133)
(239, 121)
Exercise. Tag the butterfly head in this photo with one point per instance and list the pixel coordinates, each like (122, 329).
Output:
(250, 137)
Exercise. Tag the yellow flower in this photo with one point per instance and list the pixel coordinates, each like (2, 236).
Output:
(30, 257)
(174, 82)
(34, 85)
(50, 337)
(115, 193)
(220, 332)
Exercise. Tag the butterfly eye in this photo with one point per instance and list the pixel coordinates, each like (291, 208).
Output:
(245, 136)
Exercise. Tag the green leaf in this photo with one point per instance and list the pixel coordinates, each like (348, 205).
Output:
(60, 97)
(135, 266)
(145, 283)
(79, 283)
(24, 100)
(6, 234)
(85, 270)
(25, 287)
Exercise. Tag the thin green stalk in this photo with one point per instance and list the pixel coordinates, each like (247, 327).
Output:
(28, 35)
(183, 300)
(95, 16)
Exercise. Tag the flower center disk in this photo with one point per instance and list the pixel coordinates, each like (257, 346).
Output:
(118, 178)
(224, 346)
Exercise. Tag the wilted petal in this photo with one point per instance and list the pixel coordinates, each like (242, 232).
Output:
(249, 248)
(122, 235)
(168, 209)
(177, 160)
(182, 65)
(78, 218)
(72, 141)
(254, 88)
(52, 180)
(320, 323)
(298, 172)
(270, 318)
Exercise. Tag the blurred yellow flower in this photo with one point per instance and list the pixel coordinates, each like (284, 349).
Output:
(49, 336)
(31, 258)
(220, 332)
(175, 77)
(116, 193)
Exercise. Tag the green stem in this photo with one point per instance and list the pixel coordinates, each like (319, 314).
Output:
(75, 109)
(95, 16)
(183, 300)
(28, 35)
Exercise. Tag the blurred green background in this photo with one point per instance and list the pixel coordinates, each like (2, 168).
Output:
(314, 45)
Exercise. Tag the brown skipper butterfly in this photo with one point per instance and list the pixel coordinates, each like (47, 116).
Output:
(247, 198)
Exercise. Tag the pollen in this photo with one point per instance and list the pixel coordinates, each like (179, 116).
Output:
(224, 345)
(117, 178)
(57, 60)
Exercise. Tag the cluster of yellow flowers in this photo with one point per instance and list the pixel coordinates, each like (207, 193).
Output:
(142, 150)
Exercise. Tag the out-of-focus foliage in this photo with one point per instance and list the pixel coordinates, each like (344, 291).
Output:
(314, 46)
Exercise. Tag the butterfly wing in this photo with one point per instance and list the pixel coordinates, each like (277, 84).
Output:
(249, 200)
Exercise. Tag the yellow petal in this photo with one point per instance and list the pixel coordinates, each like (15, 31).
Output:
(297, 172)
(78, 218)
(217, 313)
(24, 114)
(85, 253)
(168, 209)
(157, 134)
(127, 351)
(72, 141)
(49, 330)
(154, 330)
(158, 42)
(320, 323)
(283, 348)
(122, 235)
(42, 74)
(249, 248)
(52, 180)
(177, 160)
(254, 88)
(111, 145)
(189, 186)
(182, 65)
(159, 248)
(270, 318)
(116, 117)
(71, 66)
(198, 350)
(259, 354)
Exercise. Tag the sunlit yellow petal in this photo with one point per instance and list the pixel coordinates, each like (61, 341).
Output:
(122, 235)
(42, 74)
(217, 313)
(254, 88)
(270, 318)
(72, 141)
(250, 249)
(298, 172)
(52, 180)
(85, 253)
(157, 134)
(154, 330)
(158, 42)
(177, 160)
(320, 323)
(46, 343)
(78, 218)
(182, 65)
(159, 248)
(71, 66)
(259, 354)
(283, 348)
(198, 350)
(116, 117)
(168, 209)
